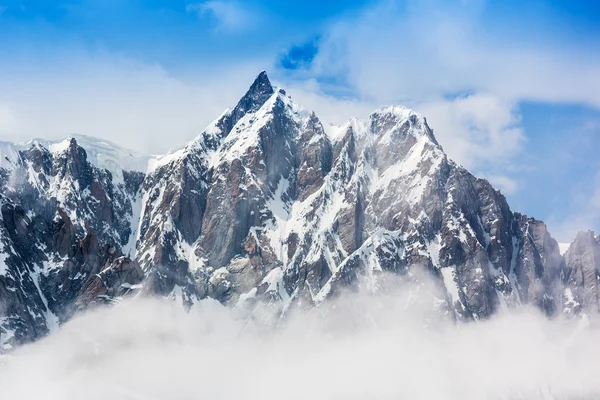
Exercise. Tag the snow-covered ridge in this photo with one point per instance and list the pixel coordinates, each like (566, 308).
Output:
(243, 134)
(102, 153)
(394, 115)
(108, 155)
(246, 131)
(337, 132)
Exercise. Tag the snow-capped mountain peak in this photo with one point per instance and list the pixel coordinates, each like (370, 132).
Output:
(268, 209)
(258, 93)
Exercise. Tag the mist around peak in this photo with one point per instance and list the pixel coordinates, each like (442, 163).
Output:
(360, 346)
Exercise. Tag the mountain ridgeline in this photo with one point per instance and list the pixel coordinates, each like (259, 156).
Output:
(270, 209)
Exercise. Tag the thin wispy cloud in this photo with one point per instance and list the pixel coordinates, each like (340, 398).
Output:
(507, 185)
(228, 16)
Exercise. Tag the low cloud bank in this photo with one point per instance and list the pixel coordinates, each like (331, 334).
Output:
(360, 347)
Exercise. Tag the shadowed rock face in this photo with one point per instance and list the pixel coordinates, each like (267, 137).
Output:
(255, 97)
(63, 225)
(268, 210)
(581, 273)
(50, 272)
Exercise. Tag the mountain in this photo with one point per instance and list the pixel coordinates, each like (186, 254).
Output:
(100, 153)
(268, 211)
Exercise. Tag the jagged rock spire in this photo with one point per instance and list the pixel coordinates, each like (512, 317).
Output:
(581, 272)
(258, 93)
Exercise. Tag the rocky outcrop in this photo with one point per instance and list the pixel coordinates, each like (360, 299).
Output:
(64, 223)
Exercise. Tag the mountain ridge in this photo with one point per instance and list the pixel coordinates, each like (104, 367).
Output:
(266, 209)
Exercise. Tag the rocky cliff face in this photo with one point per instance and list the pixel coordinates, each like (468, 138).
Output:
(63, 226)
(581, 274)
(269, 209)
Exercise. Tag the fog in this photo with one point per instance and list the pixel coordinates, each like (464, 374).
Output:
(359, 347)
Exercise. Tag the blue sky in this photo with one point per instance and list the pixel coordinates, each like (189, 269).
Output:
(511, 88)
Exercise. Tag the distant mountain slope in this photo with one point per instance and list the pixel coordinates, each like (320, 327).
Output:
(100, 153)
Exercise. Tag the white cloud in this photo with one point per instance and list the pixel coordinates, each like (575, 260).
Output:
(478, 131)
(328, 108)
(419, 49)
(421, 53)
(506, 185)
(229, 16)
(383, 55)
(137, 105)
(365, 348)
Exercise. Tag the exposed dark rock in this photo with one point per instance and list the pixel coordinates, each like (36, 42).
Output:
(581, 274)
